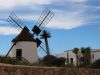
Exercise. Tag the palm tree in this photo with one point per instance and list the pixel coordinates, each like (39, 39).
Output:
(45, 35)
(75, 50)
(86, 55)
(83, 50)
(83, 53)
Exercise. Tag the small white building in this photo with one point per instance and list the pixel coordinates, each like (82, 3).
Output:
(70, 57)
(25, 47)
(95, 55)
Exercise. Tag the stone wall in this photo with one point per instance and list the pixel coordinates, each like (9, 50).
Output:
(29, 70)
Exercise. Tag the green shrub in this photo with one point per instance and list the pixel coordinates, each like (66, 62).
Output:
(96, 64)
(53, 61)
(9, 60)
(59, 62)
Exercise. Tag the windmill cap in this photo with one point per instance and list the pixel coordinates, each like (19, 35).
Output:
(24, 35)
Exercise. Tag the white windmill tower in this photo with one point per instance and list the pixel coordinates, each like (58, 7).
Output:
(25, 44)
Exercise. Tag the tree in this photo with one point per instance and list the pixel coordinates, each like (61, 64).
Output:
(83, 53)
(86, 55)
(75, 50)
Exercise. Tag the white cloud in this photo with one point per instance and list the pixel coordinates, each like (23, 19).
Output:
(64, 19)
(67, 20)
(8, 31)
(72, 1)
(65, 24)
(81, 1)
(3, 22)
(98, 7)
(5, 4)
(29, 17)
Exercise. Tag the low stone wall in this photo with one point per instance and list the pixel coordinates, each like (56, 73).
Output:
(30, 70)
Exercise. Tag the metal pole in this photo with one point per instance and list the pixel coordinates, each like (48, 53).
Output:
(67, 58)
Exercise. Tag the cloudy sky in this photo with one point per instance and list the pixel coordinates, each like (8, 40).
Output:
(76, 22)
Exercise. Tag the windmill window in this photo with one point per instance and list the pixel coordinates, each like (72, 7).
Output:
(18, 53)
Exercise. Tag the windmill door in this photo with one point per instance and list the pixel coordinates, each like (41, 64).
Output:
(18, 53)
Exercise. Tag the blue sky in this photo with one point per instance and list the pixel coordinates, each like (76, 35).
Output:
(76, 22)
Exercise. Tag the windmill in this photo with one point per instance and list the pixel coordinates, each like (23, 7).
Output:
(43, 20)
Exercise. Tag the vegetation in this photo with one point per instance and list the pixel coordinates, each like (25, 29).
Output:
(53, 61)
(95, 64)
(75, 50)
(86, 56)
(85, 59)
(59, 62)
(14, 61)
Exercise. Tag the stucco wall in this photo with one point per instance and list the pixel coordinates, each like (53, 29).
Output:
(70, 55)
(95, 55)
(29, 51)
(29, 70)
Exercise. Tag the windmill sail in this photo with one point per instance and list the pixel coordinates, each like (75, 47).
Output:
(15, 21)
(43, 20)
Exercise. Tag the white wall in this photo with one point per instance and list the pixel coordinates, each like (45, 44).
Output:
(70, 55)
(95, 55)
(29, 51)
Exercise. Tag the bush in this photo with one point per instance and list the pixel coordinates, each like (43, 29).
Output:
(96, 64)
(9, 60)
(47, 60)
(53, 61)
(59, 62)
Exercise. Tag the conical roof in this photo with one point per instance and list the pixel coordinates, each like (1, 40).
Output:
(24, 35)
